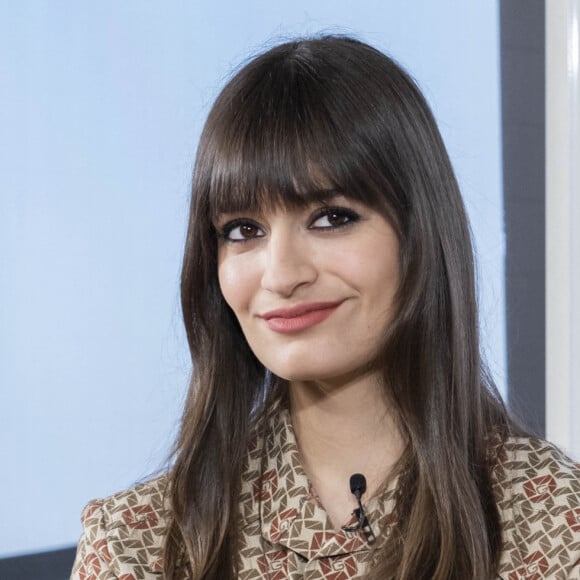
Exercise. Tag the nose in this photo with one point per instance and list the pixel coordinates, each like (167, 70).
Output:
(289, 263)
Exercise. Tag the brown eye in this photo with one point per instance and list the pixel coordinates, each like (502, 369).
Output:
(331, 218)
(248, 231)
(241, 231)
(337, 219)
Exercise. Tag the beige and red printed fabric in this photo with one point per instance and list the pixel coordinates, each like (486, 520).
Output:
(286, 534)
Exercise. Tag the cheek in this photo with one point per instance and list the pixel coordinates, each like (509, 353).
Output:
(368, 269)
(227, 280)
(235, 280)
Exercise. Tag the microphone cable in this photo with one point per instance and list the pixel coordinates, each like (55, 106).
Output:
(358, 485)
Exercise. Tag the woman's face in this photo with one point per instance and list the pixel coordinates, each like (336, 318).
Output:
(312, 287)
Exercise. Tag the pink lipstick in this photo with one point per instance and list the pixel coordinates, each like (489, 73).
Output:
(298, 318)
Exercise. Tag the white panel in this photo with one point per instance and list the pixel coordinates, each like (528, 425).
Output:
(562, 224)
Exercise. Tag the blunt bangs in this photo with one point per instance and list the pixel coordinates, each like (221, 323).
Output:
(280, 135)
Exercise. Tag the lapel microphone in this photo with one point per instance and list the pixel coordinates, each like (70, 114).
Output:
(358, 485)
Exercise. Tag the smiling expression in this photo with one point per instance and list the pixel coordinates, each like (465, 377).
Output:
(312, 287)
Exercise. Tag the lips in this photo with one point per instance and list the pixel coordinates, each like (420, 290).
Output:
(300, 317)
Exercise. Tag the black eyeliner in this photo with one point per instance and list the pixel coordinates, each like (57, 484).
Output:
(224, 231)
(347, 212)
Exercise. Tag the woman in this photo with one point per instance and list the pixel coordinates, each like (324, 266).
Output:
(328, 296)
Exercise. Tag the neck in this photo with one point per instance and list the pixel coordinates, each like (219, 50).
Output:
(345, 428)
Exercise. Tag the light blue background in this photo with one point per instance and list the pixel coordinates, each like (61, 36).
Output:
(101, 107)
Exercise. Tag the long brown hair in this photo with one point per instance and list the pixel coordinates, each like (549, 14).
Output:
(334, 112)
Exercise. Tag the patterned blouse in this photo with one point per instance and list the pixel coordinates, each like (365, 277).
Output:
(286, 534)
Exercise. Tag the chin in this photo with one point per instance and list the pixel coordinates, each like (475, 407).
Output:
(332, 370)
(309, 362)
(294, 375)
(307, 373)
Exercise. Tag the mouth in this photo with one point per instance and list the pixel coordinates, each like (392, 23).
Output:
(300, 317)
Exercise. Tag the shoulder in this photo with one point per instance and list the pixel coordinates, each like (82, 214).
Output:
(536, 472)
(125, 533)
(144, 506)
(537, 489)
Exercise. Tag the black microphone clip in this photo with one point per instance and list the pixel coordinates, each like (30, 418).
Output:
(358, 485)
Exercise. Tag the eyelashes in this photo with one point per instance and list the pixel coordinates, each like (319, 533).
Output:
(241, 230)
(335, 217)
(325, 219)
